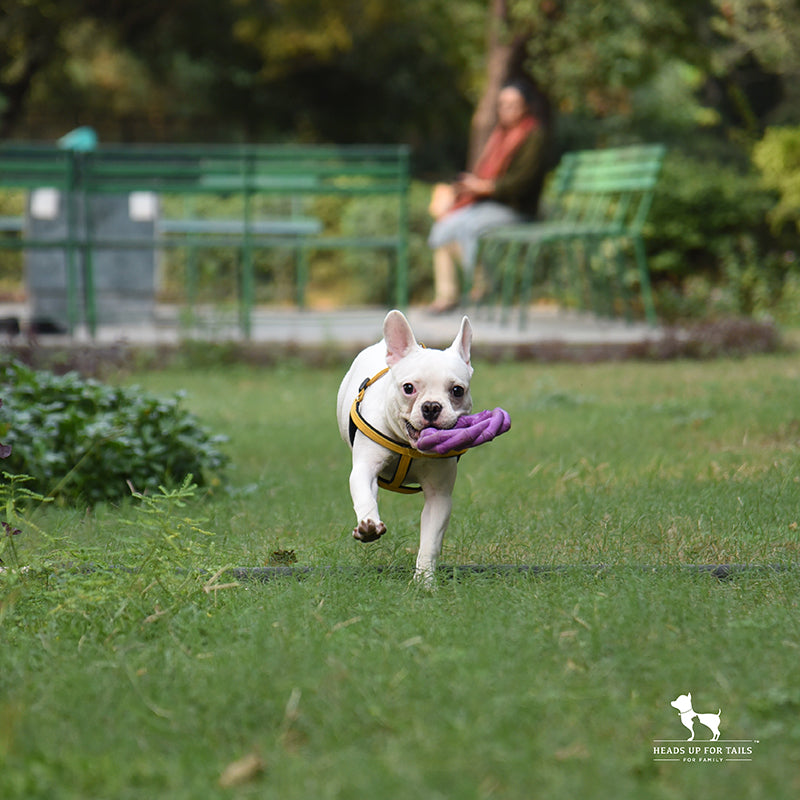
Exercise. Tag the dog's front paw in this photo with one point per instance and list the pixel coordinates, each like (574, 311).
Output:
(369, 531)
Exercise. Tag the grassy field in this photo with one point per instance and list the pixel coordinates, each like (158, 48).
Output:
(156, 675)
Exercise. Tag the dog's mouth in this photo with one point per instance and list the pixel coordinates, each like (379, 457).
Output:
(413, 433)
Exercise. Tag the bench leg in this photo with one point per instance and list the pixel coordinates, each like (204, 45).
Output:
(600, 289)
(510, 272)
(71, 256)
(402, 293)
(89, 294)
(581, 276)
(246, 300)
(191, 279)
(301, 281)
(566, 275)
(600, 282)
(526, 284)
(489, 259)
(623, 286)
(644, 280)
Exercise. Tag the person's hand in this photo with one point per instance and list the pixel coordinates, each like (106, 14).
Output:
(472, 184)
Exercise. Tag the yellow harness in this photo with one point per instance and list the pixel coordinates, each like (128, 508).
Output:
(407, 454)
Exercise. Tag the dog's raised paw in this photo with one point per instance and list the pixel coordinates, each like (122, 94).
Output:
(369, 530)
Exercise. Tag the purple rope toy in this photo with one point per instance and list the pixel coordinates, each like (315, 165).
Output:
(469, 431)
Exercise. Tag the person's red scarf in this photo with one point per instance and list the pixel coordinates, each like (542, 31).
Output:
(497, 154)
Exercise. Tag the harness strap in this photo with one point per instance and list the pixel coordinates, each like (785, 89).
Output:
(407, 454)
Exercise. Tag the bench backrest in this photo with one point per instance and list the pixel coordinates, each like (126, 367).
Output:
(275, 170)
(610, 189)
(31, 167)
(250, 170)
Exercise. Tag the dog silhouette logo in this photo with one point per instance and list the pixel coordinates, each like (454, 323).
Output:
(683, 704)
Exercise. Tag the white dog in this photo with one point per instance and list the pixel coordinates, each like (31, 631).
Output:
(684, 705)
(392, 391)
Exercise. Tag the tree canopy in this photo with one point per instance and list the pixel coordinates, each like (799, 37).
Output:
(380, 71)
(372, 71)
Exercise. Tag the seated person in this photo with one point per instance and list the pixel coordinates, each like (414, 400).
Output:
(503, 189)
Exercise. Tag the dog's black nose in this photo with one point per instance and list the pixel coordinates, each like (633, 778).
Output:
(431, 410)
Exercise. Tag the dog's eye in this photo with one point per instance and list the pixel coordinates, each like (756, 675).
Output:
(408, 388)
(458, 391)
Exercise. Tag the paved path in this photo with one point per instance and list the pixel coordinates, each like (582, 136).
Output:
(361, 326)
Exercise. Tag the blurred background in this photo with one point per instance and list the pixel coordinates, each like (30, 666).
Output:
(717, 82)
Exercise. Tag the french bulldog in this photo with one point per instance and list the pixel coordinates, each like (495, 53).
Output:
(392, 391)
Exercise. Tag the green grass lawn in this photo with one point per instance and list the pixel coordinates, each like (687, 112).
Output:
(150, 674)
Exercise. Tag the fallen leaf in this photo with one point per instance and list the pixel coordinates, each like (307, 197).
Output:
(576, 750)
(242, 771)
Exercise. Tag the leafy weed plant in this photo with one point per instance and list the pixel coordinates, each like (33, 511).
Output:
(13, 495)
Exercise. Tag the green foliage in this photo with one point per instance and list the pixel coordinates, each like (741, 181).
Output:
(80, 439)
(768, 30)
(777, 155)
(589, 56)
(711, 249)
(217, 269)
(359, 72)
(13, 495)
(12, 204)
(699, 209)
(165, 546)
(350, 275)
(369, 272)
(234, 70)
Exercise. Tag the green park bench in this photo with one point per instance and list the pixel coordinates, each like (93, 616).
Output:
(596, 203)
(244, 174)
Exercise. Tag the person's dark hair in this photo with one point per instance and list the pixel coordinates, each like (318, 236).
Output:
(533, 98)
(523, 87)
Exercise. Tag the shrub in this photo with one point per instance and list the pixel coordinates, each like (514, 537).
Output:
(82, 440)
(777, 156)
(700, 210)
(712, 251)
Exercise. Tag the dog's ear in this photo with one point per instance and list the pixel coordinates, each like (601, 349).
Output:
(400, 339)
(463, 342)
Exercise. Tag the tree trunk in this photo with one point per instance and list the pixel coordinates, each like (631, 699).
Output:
(504, 56)
(17, 92)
